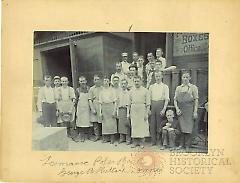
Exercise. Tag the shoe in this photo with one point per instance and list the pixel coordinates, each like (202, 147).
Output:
(179, 148)
(153, 143)
(104, 141)
(171, 148)
(96, 139)
(188, 149)
(162, 147)
(128, 143)
(133, 146)
(141, 146)
(120, 141)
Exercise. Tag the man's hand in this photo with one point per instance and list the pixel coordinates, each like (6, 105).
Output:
(94, 111)
(162, 112)
(40, 113)
(178, 111)
(195, 115)
(149, 112)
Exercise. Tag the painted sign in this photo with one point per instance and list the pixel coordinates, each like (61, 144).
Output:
(190, 44)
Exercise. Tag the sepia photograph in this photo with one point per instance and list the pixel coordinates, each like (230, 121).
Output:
(120, 91)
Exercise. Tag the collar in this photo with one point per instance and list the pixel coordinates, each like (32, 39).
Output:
(189, 84)
(159, 83)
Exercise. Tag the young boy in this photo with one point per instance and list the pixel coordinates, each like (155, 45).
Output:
(94, 106)
(159, 96)
(139, 111)
(66, 102)
(83, 123)
(169, 131)
(108, 102)
(47, 103)
(123, 114)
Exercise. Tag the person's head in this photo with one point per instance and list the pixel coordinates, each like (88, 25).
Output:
(124, 57)
(186, 77)
(170, 115)
(137, 81)
(158, 77)
(159, 52)
(82, 81)
(96, 80)
(57, 81)
(115, 81)
(105, 81)
(124, 84)
(158, 66)
(150, 57)
(64, 81)
(152, 64)
(140, 60)
(47, 80)
(132, 70)
(135, 56)
(118, 67)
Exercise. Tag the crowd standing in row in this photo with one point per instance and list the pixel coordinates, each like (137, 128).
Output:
(128, 107)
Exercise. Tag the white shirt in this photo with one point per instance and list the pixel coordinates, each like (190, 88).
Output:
(159, 92)
(45, 94)
(67, 93)
(164, 62)
(107, 95)
(120, 75)
(123, 98)
(125, 67)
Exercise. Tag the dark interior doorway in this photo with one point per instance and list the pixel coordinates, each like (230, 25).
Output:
(146, 42)
(58, 62)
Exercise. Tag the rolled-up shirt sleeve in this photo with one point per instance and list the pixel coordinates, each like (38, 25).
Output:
(39, 101)
(148, 101)
(195, 92)
(72, 93)
(166, 93)
(176, 93)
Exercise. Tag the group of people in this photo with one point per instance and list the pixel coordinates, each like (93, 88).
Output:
(126, 107)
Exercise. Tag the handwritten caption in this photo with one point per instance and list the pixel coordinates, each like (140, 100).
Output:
(137, 164)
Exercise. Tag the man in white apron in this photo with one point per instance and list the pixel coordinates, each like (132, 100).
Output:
(66, 102)
(139, 111)
(83, 123)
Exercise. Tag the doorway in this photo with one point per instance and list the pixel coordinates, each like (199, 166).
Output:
(57, 62)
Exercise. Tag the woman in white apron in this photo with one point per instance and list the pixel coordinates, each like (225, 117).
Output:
(83, 123)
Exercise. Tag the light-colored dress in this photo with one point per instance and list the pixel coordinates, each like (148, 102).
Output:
(139, 100)
(107, 98)
(83, 109)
